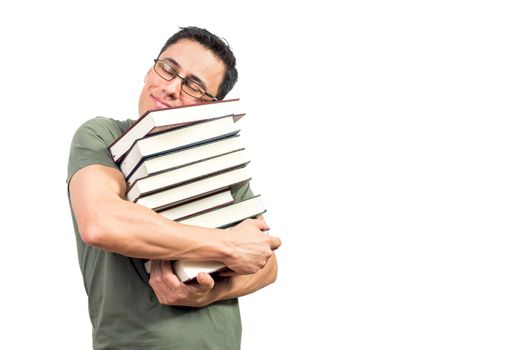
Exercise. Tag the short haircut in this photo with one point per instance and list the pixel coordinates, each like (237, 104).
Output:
(218, 46)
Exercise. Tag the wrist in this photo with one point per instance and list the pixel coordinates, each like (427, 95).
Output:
(226, 250)
(204, 244)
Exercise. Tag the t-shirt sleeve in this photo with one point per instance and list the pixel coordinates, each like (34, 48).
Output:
(241, 192)
(89, 145)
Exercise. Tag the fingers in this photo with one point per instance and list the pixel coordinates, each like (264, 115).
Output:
(168, 277)
(153, 267)
(275, 242)
(160, 286)
(169, 290)
(260, 223)
(205, 282)
(162, 276)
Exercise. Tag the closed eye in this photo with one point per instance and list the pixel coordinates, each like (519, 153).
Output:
(194, 86)
(168, 69)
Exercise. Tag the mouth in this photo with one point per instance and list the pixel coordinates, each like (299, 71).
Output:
(159, 104)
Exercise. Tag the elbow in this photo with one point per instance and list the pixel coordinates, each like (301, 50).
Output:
(91, 234)
(93, 229)
(97, 223)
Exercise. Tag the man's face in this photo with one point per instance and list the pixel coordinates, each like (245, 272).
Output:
(192, 61)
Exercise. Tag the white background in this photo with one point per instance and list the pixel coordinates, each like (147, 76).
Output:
(385, 137)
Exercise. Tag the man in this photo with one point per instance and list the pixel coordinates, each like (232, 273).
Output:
(130, 309)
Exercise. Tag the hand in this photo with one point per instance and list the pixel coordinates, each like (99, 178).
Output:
(171, 291)
(251, 246)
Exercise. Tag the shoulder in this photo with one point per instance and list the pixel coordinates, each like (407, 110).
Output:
(90, 142)
(102, 129)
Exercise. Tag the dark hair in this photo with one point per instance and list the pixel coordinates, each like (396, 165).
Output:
(218, 46)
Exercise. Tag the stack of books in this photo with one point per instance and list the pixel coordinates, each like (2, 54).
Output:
(182, 162)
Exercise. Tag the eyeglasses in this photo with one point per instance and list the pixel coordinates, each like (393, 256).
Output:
(168, 72)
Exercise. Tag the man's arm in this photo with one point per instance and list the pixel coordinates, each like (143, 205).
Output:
(107, 221)
(240, 285)
(171, 291)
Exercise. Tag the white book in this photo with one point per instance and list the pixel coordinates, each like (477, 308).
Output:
(228, 215)
(183, 137)
(184, 157)
(175, 177)
(198, 206)
(223, 217)
(188, 270)
(219, 218)
(155, 121)
(193, 190)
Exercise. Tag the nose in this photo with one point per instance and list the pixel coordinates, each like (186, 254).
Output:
(173, 88)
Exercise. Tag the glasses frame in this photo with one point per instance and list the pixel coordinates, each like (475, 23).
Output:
(184, 81)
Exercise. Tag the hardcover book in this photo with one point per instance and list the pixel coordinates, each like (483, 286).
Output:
(179, 158)
(219, 218)
(160, 120)
(179, 138)
(191, 172)
(193, 190)
(224, 217)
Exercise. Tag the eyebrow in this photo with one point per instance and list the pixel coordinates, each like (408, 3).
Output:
(190, 77)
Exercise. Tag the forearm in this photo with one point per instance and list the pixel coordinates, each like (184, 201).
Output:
(240, 285)
(107, 221)
(132, 230)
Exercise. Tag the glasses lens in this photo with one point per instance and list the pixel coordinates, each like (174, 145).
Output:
(165, 70)
(193, 89)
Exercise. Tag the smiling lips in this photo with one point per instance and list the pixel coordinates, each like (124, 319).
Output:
(159, 103)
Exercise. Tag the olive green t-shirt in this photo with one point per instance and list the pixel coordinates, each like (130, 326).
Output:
(123, 308)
